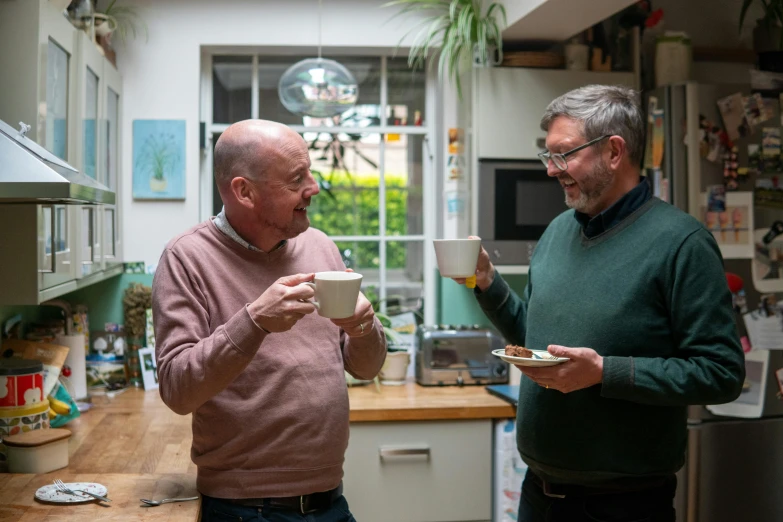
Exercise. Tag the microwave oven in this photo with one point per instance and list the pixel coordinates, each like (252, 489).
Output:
(516, 202)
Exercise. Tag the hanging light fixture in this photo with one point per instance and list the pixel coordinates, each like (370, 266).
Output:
(318, 87)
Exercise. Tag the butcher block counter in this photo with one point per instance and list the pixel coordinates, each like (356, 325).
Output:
(138, 448)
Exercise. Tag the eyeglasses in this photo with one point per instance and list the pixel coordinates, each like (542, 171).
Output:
(559, 159)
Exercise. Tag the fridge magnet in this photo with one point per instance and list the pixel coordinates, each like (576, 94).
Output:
(755, 110)
(767, 266)
(732, 110)
(159, 159)
(750, 403)
(149, 368)
(768, 193)
(729, 216)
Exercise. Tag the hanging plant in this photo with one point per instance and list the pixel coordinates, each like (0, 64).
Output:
(457, 32)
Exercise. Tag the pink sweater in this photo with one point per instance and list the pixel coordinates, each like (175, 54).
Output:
(270, 411)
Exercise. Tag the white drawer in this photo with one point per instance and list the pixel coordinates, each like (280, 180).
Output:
(432, 471)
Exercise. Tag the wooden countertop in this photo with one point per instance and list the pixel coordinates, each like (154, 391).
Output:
(132, 444)
(411, 402)
(138, 448)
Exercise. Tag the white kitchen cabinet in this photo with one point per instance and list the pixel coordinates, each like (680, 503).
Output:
(427, 471)
(509, 103)
(109, 164)
(53, 78)
(90, 91)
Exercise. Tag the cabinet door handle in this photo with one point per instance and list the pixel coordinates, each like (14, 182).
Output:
(391, 452)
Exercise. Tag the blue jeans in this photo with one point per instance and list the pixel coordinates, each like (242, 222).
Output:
(217, 510)
(649, 505)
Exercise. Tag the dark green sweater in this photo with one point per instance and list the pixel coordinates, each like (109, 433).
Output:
(650, 296)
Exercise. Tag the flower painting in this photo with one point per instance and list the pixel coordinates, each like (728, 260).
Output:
(159, 159)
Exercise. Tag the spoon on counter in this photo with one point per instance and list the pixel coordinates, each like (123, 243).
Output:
(166, 500)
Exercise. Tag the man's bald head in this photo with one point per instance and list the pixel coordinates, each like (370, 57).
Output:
(249, 149)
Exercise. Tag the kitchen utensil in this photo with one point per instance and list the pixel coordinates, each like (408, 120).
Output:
(166, 500)
(61, 486)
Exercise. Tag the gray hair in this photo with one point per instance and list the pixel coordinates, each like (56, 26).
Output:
(603, 109)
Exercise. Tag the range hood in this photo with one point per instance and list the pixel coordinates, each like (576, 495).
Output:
(31, 174)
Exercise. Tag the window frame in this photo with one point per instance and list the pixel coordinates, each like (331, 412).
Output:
(429, 200)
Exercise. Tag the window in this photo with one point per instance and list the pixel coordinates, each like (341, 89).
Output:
(372, 163)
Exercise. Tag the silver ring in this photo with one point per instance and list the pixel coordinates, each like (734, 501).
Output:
(361, 325)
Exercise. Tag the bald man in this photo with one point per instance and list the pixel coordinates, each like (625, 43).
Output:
(239, 347)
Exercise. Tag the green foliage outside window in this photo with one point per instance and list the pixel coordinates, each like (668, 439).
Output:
(350, 207)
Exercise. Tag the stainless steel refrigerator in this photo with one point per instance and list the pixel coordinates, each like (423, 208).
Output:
(734, 465)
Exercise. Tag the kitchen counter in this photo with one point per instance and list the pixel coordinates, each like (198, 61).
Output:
(132, 444)
(138, 448)
(411, 402)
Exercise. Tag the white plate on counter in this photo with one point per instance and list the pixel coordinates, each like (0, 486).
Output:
(49, 493)
(540, 358)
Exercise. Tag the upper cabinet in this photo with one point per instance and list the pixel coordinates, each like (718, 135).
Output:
(55, 79)
(509, 103)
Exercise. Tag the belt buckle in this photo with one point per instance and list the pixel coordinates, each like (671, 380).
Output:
(302, 503)
(548, 492)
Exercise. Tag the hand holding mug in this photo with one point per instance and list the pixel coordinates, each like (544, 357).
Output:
(361, 322)
(485, 270)
(284, 303)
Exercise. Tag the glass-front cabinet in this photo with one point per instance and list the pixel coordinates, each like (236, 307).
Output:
(109, 164)
(91, 91)
(57, 81)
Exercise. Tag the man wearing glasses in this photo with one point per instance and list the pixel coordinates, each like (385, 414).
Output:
(632, 291)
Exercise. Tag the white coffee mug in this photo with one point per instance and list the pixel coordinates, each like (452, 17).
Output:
(336, 293)
(457, 257)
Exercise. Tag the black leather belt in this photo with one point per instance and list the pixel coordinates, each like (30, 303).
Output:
(572, 490)
(302, 504)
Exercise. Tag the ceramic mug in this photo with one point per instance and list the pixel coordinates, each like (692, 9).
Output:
(457, 257)
(336, 293)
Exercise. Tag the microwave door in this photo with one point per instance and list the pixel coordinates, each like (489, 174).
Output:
(517, 201)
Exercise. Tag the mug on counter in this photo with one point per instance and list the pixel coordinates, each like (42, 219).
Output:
(336, 293)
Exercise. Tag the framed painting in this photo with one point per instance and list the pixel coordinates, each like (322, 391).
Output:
(159, 159)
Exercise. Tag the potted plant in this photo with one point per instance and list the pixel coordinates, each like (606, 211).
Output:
(126, 19)
(768, 33)
(459, 32)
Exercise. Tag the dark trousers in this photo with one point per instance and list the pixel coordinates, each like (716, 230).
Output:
(655, 504)
(217, 510)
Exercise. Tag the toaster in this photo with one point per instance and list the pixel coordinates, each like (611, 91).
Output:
(458, 355)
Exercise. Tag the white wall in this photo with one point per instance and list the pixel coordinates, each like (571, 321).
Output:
(161, 80)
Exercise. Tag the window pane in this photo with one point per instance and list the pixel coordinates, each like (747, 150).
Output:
(231, 83)
(346, 165)
(366, 70)
(404, 276)
(406, 93)
(403, 174)
(90, 115)
(270, 70)
(57, 100)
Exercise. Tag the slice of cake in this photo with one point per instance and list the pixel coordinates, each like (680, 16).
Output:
(518, 351)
